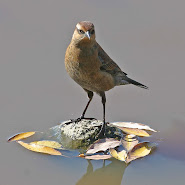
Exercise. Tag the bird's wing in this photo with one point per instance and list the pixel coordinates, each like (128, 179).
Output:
(107, 64)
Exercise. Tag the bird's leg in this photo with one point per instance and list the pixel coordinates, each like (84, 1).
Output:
(102, 130)
(90, 96)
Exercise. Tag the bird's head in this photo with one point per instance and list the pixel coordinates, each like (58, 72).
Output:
(84, 31)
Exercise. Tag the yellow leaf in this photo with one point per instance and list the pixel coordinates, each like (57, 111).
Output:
(135, 131)
(140, 150)
(51, 144)
(21, 136)
(118, 155)
(82, 156)
(39, 148)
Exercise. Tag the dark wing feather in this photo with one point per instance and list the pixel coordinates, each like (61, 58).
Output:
(107, 64)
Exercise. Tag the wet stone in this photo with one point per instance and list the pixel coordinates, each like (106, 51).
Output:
(80, 134)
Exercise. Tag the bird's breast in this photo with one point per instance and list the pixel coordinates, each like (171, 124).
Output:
(81, 60)
(83, 66)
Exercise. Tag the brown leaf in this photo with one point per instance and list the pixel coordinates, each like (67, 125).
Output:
(118, 155)
(103, 145)
(140, 150)
(51, 144)
(95, 157)
(129, 142)
(21, 136)
(39, 148)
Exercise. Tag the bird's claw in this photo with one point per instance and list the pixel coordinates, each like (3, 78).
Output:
(79, 119)
(101, 133)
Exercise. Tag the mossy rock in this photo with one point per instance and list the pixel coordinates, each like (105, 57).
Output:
(80, 134)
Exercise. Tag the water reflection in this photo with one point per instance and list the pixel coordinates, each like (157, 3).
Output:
(108, 174)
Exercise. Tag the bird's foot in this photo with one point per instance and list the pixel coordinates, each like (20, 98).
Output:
(101, 133)
(88, 118)
(79, 119)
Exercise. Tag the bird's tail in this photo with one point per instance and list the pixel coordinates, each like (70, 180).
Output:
(130, 81)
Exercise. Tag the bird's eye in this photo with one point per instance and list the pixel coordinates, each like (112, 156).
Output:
(92, 32)
(81, 31)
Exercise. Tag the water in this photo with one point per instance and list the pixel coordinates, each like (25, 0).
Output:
(145, 38)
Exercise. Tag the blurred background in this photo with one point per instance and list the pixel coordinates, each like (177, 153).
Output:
(145, 38)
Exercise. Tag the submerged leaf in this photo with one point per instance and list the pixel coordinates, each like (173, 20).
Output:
(129, 142)
(51, 144)
(140, 150)
(118, 155)
(95, 157)
(103, 145)
(39, 148)
(21, 136)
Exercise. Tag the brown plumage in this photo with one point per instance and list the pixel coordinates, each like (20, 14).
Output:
(89, 65)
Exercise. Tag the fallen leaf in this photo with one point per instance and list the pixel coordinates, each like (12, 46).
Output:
(129, 142)
(134, 128)
(135, 131)
(133, 125)
(81, 155)
(103, 145)
(39, 148)
(118, 155)
(140, 150)
(95, 157)
(21, 136)
(51, 144)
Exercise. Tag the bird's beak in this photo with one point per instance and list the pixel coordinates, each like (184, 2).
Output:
(87, 34)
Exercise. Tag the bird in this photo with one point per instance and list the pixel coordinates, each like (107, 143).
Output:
(92, 68)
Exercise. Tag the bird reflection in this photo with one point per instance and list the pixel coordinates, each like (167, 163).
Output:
(109, 174)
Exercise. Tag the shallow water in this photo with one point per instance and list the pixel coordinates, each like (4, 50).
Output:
(145, 38)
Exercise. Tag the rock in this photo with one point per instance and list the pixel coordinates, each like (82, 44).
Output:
(83, 129)
(80, 134)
